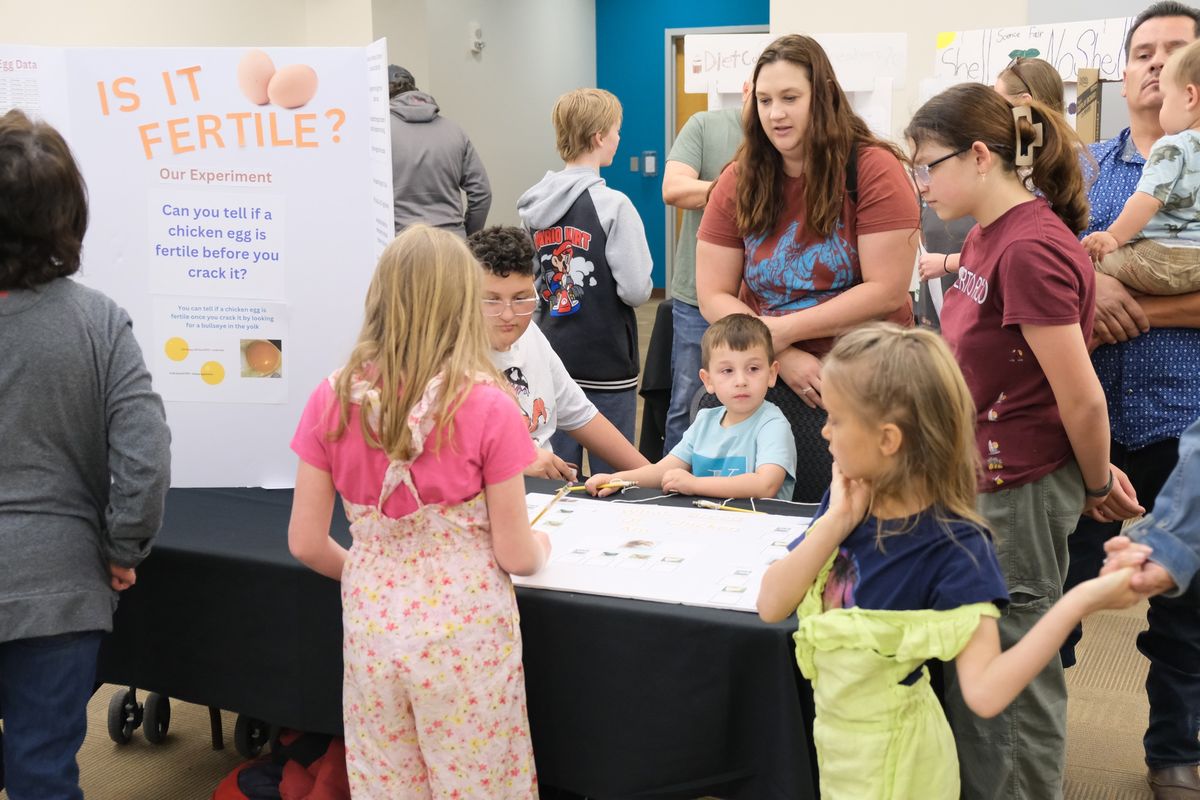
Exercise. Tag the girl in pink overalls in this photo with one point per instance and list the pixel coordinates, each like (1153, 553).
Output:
(427, 455)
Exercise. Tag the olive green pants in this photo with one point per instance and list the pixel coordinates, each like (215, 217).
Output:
(1020, 753)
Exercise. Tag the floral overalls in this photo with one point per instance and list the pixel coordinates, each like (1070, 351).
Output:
(434, 689)
(876, 737)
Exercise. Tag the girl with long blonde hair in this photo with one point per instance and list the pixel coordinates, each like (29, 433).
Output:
(427, 453)
(898, 568)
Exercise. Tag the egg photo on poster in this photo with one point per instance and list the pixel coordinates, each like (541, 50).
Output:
(262, 358)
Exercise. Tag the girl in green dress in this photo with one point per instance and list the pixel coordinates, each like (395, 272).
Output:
(898, 568)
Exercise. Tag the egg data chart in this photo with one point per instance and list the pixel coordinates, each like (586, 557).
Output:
(693, 556)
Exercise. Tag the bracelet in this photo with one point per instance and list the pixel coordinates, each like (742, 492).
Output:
(1102, 491)
(946, 264)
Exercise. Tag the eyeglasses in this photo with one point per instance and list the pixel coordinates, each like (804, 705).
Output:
(920, 172)
(1013, 67)
(521, 306)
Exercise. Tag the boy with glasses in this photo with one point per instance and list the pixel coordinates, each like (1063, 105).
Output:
(550, 400)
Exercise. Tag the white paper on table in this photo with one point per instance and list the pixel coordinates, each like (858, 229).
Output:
(692, 556)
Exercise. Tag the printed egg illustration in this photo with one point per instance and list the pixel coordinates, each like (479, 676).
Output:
(254, 72)
(292, 86)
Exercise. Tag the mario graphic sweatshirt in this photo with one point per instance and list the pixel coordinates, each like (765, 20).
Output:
(593, 269)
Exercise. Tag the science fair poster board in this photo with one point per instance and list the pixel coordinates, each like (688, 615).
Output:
(692, 556)
(239, 199)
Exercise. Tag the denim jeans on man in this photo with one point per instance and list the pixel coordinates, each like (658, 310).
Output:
(1167, 477)
(620, 408)
(687, 326)
(45, 684)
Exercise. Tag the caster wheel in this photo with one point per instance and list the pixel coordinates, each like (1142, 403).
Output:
(156, 717)
(124, 715)
(249, 736)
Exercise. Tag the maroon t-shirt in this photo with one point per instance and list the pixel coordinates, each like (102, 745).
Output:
(791, 268)
(1025, 268)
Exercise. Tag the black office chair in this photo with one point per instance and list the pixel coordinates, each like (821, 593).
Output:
(814, 464)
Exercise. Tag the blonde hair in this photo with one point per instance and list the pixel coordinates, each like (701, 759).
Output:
(1036, 78)
(581, 114)
(908, 377)
(1187, 65)
(421, 318)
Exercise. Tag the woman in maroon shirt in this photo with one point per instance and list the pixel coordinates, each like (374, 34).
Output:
(793, 233)
(1018, 320)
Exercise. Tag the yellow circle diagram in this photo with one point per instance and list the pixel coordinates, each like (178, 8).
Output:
(212, 373)
(177, 349)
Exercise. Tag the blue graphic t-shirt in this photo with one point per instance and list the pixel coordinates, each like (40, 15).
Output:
(790, 267)
(765, 437)
(923, 568)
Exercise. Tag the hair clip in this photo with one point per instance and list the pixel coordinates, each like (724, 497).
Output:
(1024, 157)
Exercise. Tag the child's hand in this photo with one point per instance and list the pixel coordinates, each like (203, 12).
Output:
(1099, 244)
(848, 499)
(1119, 504)
(548, 465)
(1150, 578)
(934, 265)
(1109, 591)
(596, 481)
(679, 480)
(1121, 552)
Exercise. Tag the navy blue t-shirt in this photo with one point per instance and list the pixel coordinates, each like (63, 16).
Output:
(923, 568)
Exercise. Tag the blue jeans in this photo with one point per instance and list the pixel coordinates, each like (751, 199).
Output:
(45, 684)
(620, 408)
(687, 326)
(1172, 642)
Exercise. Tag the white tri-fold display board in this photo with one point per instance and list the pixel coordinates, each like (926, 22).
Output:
(239, 199)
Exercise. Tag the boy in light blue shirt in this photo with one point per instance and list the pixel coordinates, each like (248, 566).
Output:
(742, 448)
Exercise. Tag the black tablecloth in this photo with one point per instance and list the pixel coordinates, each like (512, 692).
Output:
(626, 698)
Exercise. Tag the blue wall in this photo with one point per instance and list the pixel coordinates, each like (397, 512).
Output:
(629, 63)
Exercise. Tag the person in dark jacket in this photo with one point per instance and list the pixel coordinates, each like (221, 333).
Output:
(433, 164)
(84, 465)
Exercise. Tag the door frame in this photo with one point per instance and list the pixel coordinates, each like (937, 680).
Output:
(670, 121)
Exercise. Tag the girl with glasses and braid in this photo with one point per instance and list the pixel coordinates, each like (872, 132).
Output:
(1018, 320)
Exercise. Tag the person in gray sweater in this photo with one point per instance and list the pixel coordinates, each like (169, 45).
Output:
(84, 464)
(433, 163)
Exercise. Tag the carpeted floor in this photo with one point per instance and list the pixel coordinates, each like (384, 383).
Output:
(1107, 710)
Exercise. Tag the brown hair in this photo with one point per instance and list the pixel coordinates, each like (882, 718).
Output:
(1036, 78)
(908, 377)
(739, 332)
(1166, 8)
(43, 204)
(413, 329)
(503, 250)
(833, 129)
(578, 116)
(971, 112)
(1187, 65)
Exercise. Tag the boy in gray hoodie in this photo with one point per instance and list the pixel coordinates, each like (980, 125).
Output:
(593, 263)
